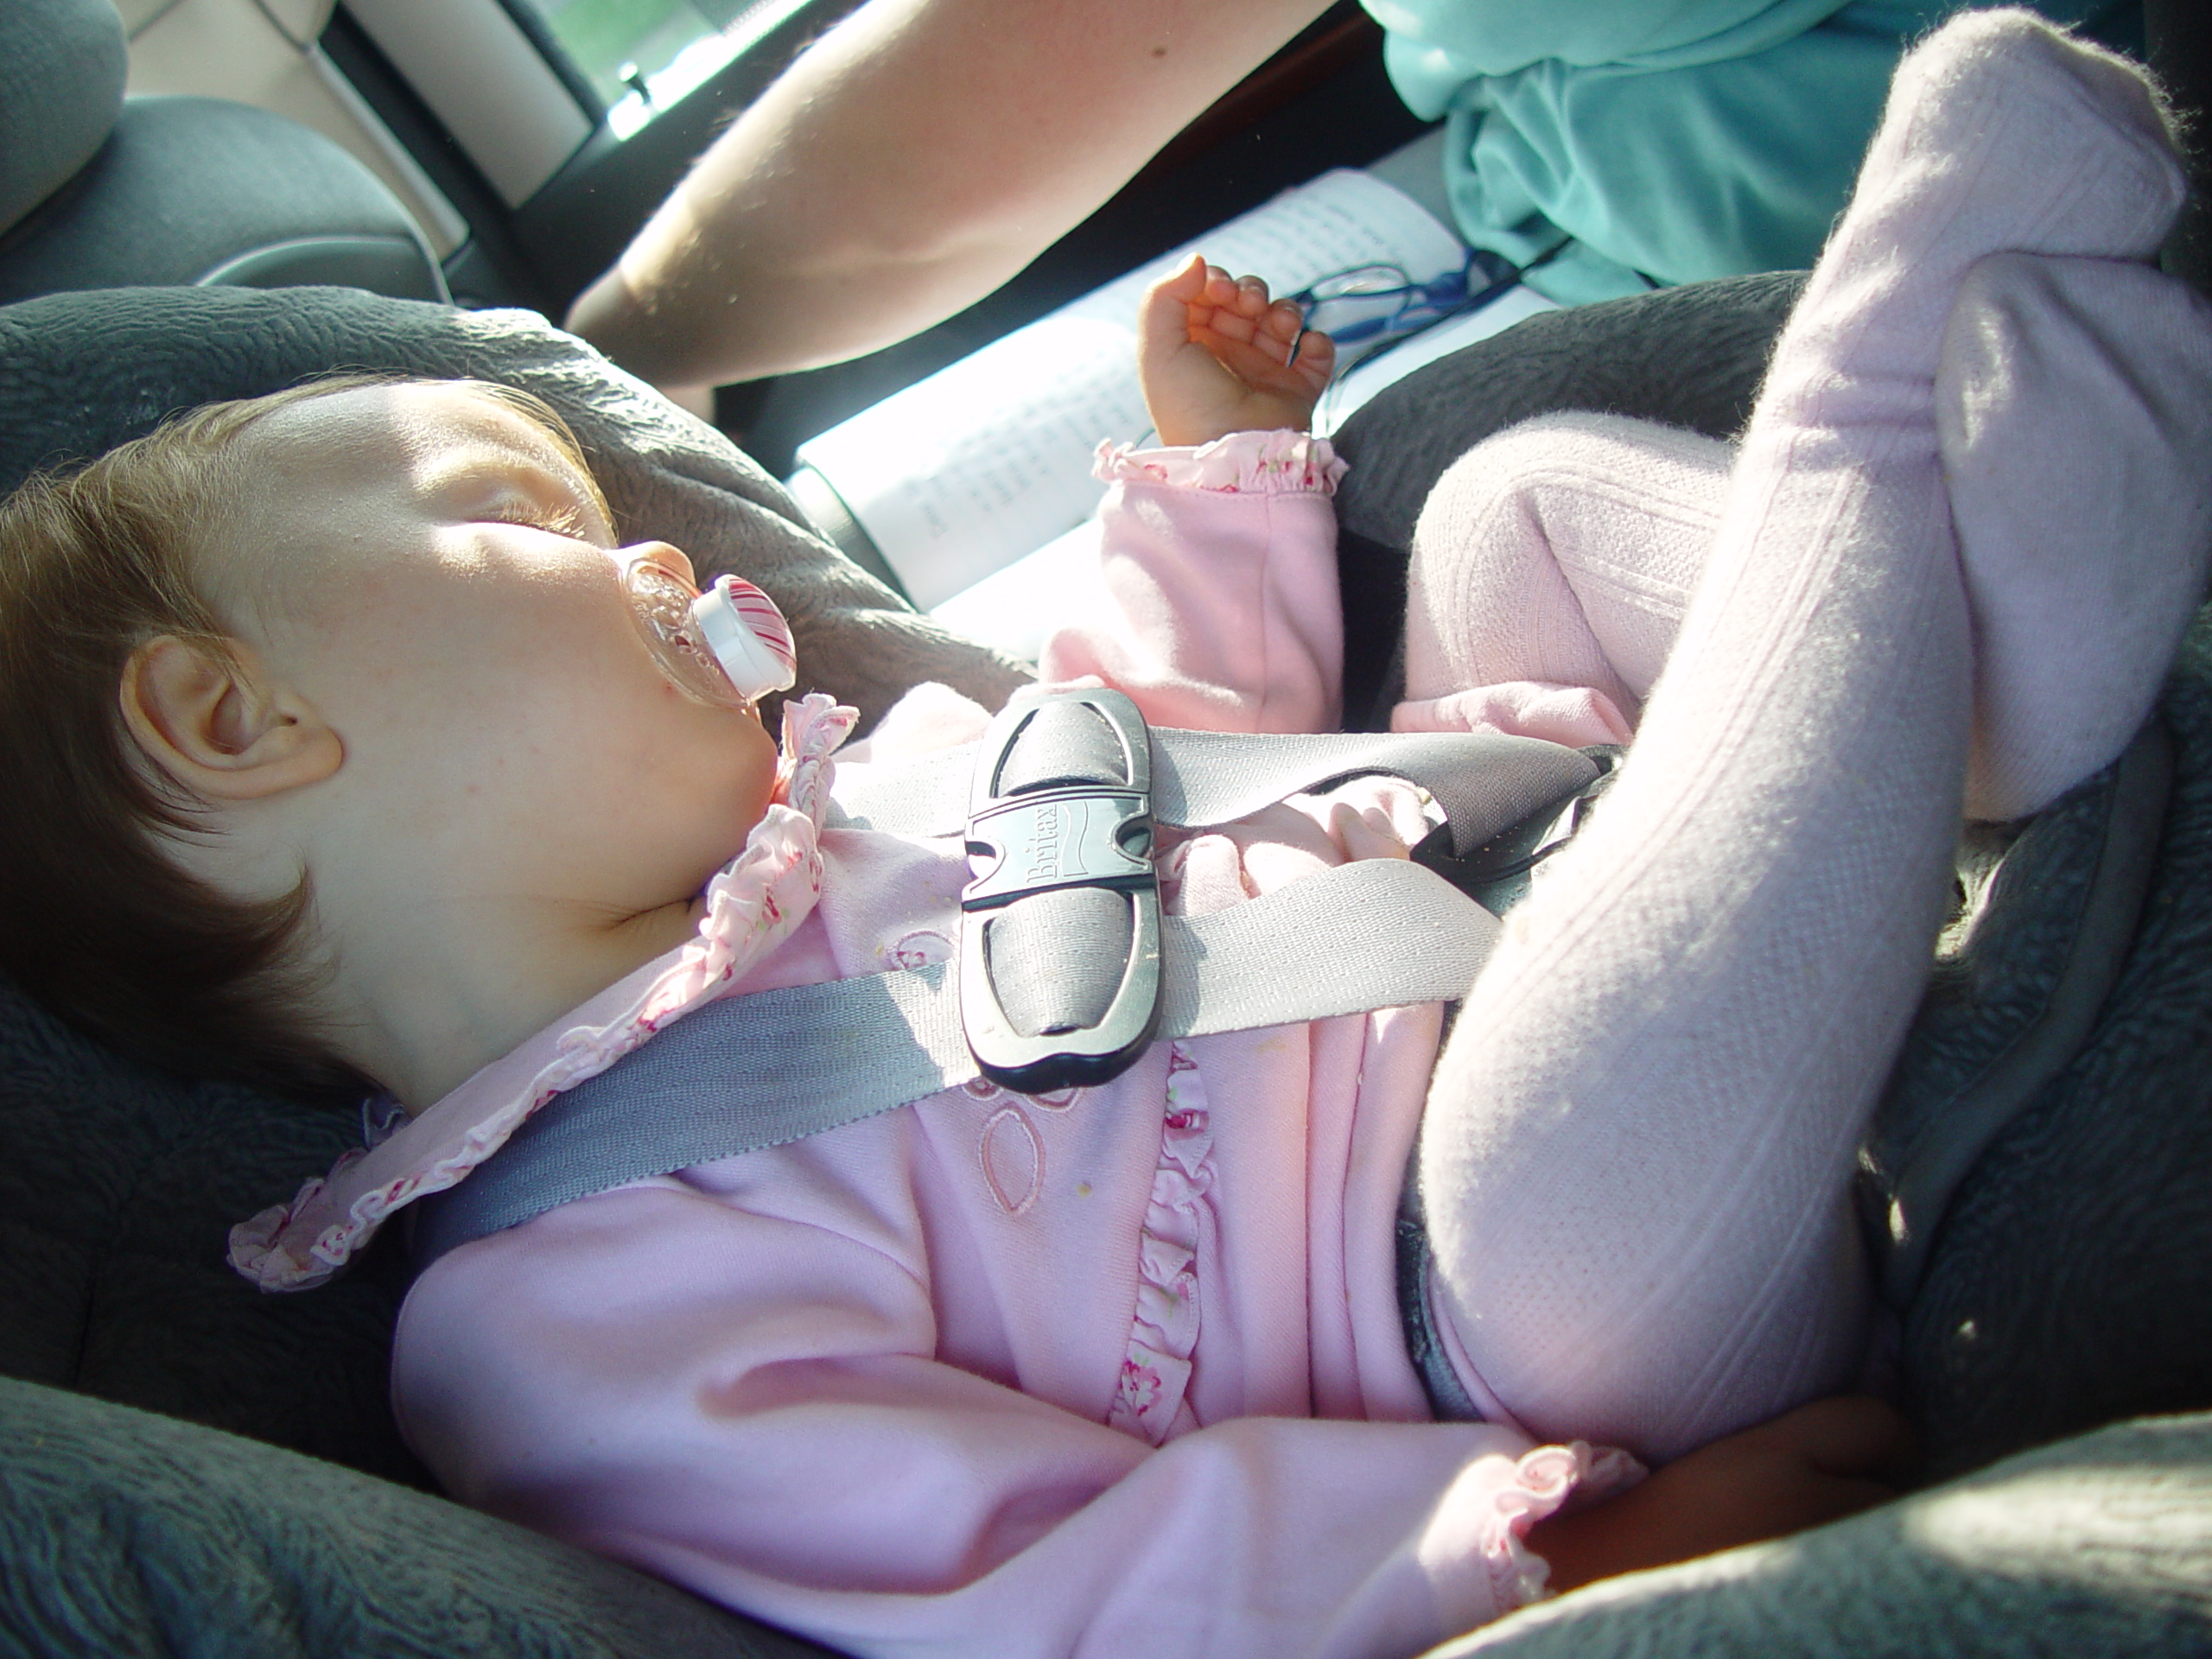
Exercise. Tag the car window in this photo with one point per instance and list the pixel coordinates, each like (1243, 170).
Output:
(642, 56)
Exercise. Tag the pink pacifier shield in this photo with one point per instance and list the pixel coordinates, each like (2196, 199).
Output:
(749, 636)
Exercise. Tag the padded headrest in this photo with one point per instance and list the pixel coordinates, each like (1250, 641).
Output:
(62, 64)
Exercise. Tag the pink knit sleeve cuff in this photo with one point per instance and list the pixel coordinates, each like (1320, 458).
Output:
(1476, 1551)
(1243, 463)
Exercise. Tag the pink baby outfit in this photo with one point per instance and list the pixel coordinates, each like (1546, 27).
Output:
(993, 1373)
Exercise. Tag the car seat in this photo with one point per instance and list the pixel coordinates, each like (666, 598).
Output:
(175, 1459)
(99, 191)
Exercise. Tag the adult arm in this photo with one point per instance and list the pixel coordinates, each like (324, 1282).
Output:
(914, 159)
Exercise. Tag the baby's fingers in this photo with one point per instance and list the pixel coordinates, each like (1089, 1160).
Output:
(1171, 305)
(1316, 358)
(1282, 322)
(1255, 362)
(1168, 309)
(1283, 330)
(1221, 287)
(1187, 282)
(1251, 297)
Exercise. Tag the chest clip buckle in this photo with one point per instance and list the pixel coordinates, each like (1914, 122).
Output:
(1065, 893)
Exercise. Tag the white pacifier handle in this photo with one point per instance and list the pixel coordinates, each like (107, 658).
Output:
(749, 636)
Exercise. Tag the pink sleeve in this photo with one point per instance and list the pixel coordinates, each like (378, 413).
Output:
(747, 1404)
(1219, 566)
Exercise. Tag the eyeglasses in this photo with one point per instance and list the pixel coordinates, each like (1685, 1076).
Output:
(1377, 303)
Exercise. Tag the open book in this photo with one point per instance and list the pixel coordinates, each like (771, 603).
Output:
(962, 478)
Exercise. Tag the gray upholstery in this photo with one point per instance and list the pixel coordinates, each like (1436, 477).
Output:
(96, 192)
(62, 64)
(1690, 355)
(122, 1533)
(2021, 978)
(185, 189)
(2095, 1547)
(2070, 1284)
(2070, 1281)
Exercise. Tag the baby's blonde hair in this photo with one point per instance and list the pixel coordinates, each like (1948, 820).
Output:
(96, 922)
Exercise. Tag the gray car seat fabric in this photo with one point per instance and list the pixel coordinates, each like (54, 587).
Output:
(200, 190)
(62, 65)
(2091, 1548)
(2068, 1283)
(123, 1533)
(2022, 975)
(99, 193)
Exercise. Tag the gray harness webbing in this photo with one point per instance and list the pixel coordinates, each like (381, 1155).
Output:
(766, 1069)
(1484, 782)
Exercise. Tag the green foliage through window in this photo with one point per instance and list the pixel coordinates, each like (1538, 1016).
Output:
(607, 37)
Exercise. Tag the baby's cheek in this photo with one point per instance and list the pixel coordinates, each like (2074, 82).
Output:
(755, 763)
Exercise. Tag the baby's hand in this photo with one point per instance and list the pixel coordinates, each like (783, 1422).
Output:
(1215, 357)
(1817, 1464)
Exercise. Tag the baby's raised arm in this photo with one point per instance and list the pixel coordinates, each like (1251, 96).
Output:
(1215, 355)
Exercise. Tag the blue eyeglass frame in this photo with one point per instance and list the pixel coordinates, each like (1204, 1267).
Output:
(1481, 275)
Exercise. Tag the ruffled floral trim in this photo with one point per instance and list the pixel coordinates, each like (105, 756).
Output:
(1543, 1481)
(1149, 1402)
(1243, 463)
(752, 906)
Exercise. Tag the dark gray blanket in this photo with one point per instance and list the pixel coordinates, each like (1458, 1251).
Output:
(2068, 1284)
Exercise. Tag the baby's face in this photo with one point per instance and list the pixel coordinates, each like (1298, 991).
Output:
(437, 578)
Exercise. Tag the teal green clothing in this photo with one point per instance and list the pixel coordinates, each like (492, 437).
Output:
(1671, 140)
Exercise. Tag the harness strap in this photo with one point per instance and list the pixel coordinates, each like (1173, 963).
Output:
(776, 1066)
(1485, 783)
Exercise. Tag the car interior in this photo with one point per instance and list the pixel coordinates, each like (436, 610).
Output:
(209, 198)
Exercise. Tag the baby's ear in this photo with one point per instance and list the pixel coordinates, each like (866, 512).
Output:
(213, 721)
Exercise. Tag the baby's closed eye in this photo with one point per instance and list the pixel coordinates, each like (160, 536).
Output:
(564, 519)
(535, 497)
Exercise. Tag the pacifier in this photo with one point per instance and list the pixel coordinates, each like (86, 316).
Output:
(749, 636)
(724, 647)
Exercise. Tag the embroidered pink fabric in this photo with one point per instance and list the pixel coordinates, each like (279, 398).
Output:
(1243, 463)
(1149, 1402)
(752, 906)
